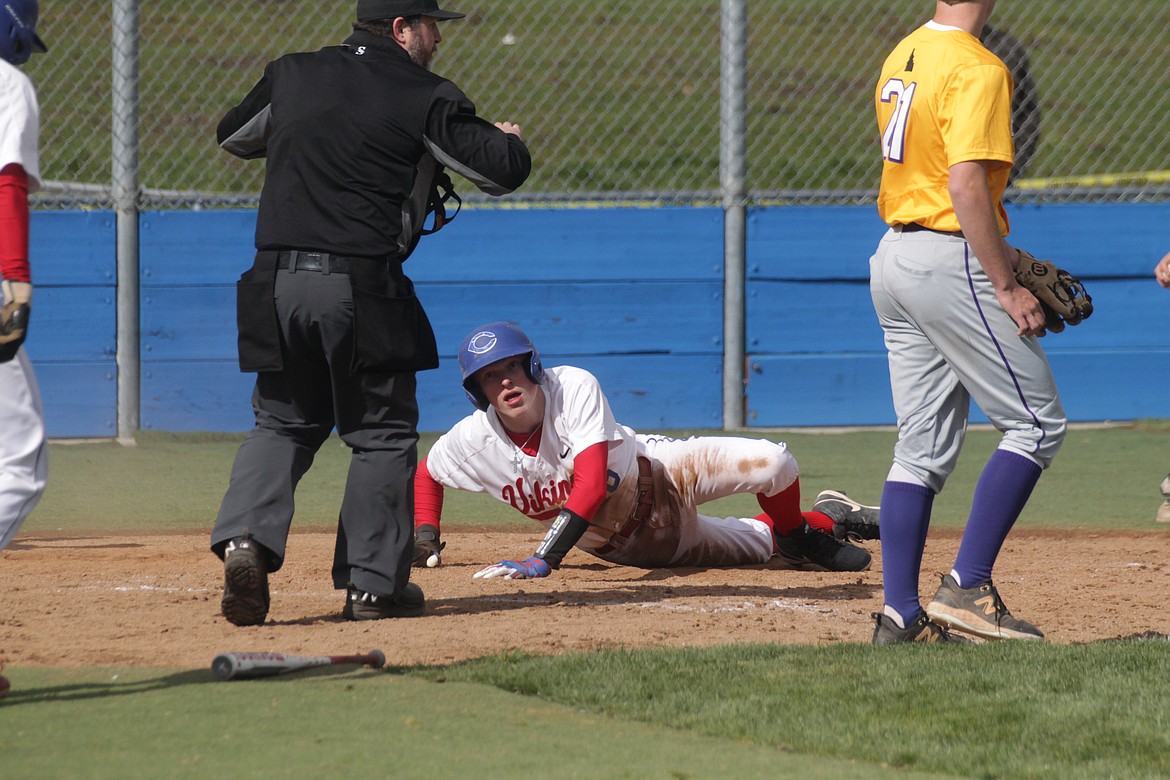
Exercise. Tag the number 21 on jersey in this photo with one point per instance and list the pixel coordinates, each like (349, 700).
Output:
(894, 136)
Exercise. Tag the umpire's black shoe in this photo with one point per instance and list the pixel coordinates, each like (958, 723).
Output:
(245, 582)
(851, 520)
(806, 548)
(360, 605)
(923, 630)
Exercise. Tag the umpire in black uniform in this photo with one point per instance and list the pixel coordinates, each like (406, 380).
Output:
(356, 139)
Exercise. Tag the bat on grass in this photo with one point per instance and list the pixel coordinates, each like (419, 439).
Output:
(242, 666)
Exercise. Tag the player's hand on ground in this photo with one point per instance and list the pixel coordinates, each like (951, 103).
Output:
(527, 569)
(427, 548)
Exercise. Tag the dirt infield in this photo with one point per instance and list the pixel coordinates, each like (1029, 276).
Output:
(154, 600)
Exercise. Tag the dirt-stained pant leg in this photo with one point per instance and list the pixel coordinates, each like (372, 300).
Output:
(700, 469)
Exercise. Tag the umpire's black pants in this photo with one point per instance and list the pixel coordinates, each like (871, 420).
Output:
(296, 409)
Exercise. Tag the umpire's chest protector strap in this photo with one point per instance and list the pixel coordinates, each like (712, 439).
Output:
(259, 329)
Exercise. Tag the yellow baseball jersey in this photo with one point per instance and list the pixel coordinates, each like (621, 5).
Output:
(942, 99)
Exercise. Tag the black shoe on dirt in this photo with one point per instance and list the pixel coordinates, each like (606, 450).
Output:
(806, 548)
(360, 605)
(245, 583)
(923, 630)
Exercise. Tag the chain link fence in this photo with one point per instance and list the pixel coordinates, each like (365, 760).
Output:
(619, 100)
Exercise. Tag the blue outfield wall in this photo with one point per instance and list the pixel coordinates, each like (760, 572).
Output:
(634, 295)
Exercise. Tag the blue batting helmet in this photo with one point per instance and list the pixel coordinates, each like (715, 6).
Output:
(489, 343)
(18, 34)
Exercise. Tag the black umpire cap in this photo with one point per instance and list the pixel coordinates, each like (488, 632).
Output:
(368, 10)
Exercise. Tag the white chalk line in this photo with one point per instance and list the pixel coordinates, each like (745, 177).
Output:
(747, 606)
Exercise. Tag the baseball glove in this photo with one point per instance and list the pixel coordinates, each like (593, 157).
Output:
(427, 547)
(1061, 295)
(14, 318)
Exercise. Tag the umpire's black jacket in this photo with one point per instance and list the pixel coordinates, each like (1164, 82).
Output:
(353, 135)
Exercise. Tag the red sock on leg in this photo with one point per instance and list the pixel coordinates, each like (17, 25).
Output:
(819, 521)
(783, 509)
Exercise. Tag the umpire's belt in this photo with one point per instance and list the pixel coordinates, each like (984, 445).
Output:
(643, 507)
(324, 262)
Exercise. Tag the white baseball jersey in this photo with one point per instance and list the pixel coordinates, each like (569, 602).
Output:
(477, 455)
(23, 452)
(19, 123)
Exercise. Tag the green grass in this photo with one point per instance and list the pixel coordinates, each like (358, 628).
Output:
(155, 723)
(850, 710)
(997, 710)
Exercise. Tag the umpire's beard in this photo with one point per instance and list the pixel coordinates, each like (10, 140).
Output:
(419, 53)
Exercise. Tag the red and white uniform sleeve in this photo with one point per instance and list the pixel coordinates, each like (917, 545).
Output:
(20, 171)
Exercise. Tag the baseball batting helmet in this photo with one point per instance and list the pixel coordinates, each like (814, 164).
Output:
(489, 343)
(18, 34)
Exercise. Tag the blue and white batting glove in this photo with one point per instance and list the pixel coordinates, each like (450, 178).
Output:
(528, 569)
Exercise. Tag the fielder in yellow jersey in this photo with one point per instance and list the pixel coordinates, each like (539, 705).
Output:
(942, 99)
(957, 325)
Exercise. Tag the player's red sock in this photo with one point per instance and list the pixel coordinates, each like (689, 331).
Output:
(819, 521)
(783, 509)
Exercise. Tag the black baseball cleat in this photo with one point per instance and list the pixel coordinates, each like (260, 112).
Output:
(813, 550)
(360, 605)
(851, 520)
(921, 631)
(245, 582)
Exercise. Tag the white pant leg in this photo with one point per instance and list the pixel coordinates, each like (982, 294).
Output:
(24, 455)
(723, 541)
(711, 467)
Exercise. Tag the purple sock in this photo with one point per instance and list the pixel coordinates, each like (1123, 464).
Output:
(1003, 489)
(905, 520)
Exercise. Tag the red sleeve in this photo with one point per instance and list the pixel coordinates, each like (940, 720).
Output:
(14, 224)
(428, 497)
(588, 488)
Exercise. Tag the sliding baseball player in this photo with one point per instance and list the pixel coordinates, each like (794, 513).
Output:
(546, 442)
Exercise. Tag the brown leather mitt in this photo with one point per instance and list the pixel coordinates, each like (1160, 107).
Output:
(1062, 296)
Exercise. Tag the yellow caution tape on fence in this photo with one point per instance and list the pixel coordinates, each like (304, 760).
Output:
(1094, 180)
